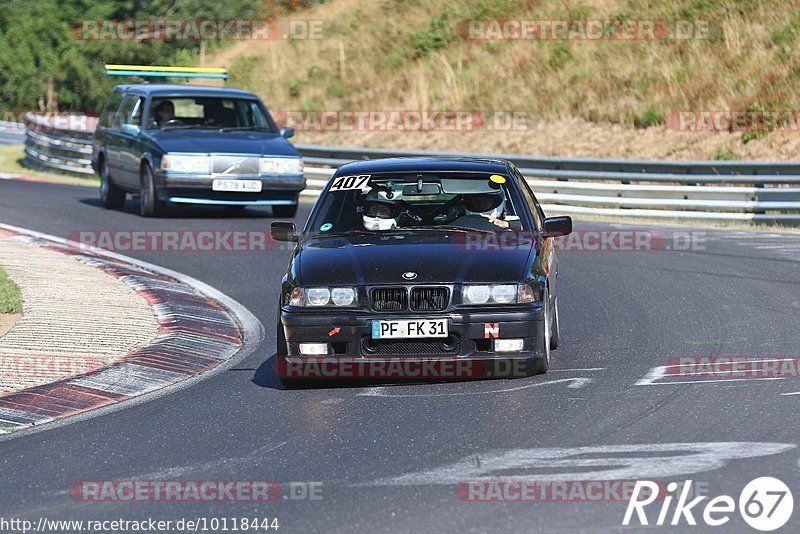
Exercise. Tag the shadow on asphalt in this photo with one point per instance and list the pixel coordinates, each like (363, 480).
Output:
(175, 211)
(266, 376)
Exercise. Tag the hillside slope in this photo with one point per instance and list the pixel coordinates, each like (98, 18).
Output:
(587, 97)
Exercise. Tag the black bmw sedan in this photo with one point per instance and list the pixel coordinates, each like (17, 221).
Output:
(427, 260)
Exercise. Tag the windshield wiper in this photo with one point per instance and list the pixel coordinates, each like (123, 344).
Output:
(230, 128)
(450, 227)
(184, 126)
(346, 233)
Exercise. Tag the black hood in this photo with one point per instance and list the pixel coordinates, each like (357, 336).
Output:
(436, 257)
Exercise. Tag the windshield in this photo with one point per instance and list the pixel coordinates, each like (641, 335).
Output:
(400, 202)
(208, 112)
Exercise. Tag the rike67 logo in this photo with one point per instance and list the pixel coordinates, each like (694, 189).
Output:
(766, 504)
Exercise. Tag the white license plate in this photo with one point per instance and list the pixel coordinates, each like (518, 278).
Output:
(409, 328)
(247, 186)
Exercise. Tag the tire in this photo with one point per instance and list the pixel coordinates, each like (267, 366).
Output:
(540, 365)
(149, 204)
(285, 212)
(111, 196)
(281, 352)
(282, 349)
(555, 331)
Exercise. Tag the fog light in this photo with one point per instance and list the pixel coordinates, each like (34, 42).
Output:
(508, 345)
(313, 349)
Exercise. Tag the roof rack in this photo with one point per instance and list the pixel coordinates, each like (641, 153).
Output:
(167, 72)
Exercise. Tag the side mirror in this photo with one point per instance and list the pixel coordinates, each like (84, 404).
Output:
(131, 129)
(283, 231)
(557, 226)
(287, 132)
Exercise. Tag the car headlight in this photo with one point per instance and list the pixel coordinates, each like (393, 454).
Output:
(318, 296)
(280, 166)
(322, 296)
(498, 294)
(343, 296)
(186, 164)
(504, 294)
(477, 294)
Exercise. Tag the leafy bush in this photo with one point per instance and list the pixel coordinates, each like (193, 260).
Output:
(650, 116)
(723, 154)
(295, 86)
(559, 57)
(438, 34)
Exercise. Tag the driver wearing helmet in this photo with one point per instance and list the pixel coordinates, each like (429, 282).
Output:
(379, 212)
(491, 206)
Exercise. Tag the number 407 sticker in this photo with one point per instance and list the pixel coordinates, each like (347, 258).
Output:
(349, 183)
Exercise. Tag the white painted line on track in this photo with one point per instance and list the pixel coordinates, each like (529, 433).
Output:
(657, 373)
(577, 370)
(604, 462)
(719, 380)
(381, 391)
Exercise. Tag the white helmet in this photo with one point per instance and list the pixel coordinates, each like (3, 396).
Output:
(379, 212)
(489, 204)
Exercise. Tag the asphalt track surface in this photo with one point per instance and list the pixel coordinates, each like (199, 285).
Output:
(389, 459)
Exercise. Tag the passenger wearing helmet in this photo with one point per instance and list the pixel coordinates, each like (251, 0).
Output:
(491, 206)
(379, 212)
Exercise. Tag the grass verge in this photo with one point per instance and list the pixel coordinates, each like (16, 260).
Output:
(11, 162)
(10, 295)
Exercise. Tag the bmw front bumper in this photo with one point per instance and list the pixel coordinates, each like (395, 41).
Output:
(351, 351)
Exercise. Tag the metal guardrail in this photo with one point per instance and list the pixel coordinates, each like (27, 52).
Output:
(50, 146)
(11, 132)
(700, 190)
(694, 190)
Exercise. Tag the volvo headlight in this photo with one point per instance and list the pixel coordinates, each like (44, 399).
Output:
(322, 296)
(498, 294)
(280, 166)
(186, 164)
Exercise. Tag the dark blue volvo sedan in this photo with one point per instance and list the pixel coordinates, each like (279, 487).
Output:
(187, 144)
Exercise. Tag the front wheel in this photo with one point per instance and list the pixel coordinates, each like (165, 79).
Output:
(285, 212)
(149, 204)
(111, 196)
(282, 368)
(555, 331)
(541, 364)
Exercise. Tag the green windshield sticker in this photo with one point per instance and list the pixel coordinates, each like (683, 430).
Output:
(325, 227)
